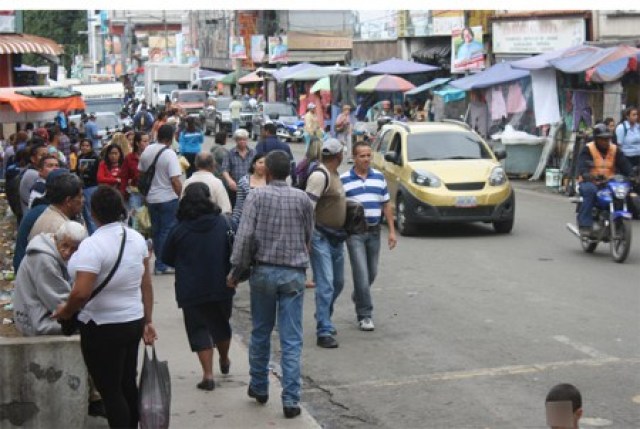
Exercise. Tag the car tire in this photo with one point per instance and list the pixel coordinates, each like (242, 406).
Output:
(503, 226)
(404, 228)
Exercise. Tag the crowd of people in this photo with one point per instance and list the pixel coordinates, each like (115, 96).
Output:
(217, 217)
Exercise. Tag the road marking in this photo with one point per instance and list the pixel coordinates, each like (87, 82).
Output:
(589, 351)
(483, 372)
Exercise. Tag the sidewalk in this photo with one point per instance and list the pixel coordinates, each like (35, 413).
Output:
(228, 406)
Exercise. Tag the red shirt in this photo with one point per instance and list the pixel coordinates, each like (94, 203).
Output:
(129, 172)
(108, 176)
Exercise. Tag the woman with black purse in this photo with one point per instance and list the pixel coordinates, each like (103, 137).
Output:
(113, 298)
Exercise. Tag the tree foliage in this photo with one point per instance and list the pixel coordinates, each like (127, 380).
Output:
(61, 26)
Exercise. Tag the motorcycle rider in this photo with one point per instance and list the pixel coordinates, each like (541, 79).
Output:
(599, 158)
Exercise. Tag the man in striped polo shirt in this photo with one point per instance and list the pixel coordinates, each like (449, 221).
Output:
(368, 186)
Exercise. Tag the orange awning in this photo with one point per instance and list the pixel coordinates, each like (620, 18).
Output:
(21, 103)
(28, 44)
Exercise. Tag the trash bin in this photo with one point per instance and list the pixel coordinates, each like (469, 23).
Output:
(523, 156)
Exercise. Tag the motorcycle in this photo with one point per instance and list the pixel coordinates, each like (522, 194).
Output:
(612, 219)
(289, 132)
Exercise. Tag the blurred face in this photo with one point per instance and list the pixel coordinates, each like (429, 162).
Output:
(66, 247)
(602, 143)
(74, 204)
(612, 126)
(386, 105)
(42, 151)
(85, 147)
(113, 156)
(130, 138)
(633, 117)
(144, 142)
(466, 35)
(48, 167)
(362, 158)
(241, 142)
(259, 167)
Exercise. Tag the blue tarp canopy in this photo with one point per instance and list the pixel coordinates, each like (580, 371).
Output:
(581, 61)
(542, 61)
(611, 71)
(449, 93)
(285, 72)
(397, 66)
(434, 83)
(495, 75)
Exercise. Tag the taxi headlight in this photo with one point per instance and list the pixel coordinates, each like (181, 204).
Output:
(425, 178)
(498, 177)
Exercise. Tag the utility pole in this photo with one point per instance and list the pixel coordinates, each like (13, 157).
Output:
(166, 34)
(238, 61)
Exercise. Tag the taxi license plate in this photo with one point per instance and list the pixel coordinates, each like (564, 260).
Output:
(466, 202)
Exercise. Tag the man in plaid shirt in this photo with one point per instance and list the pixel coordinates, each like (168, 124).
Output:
(274, 236)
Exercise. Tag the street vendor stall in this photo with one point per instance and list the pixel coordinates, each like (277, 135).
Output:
(36, 104)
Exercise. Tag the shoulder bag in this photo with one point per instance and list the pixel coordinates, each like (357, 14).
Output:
(71, 325)
(146, 177)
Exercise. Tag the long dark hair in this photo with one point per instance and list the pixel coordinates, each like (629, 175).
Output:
(109, 149)
(196, 202)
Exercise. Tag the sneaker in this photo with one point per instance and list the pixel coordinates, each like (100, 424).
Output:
(291, 412)
(327, 342)
(262, 399)
(366, 324)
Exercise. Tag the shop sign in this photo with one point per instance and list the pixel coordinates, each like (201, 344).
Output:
(537, 35)
(445, 21)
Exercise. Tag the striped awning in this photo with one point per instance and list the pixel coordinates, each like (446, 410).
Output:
(28, 44)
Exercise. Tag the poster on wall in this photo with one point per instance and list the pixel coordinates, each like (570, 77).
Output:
(237, 50)
(278, 49)
(467, 49)
(258, 48)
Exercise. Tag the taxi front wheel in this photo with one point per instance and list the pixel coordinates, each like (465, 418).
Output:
(404, 227)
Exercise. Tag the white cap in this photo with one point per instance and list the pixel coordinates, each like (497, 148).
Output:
(311, 106)
(331, 146)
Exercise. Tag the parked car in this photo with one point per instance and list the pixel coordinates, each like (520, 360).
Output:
(192, 102)
(443, 172)
(108, 123)
(272, 112)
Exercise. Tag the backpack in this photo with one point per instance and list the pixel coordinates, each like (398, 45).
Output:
(13, 193)
(146, 177)
(303, 170)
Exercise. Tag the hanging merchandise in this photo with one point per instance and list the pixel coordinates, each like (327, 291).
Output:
(479, 117)
(515, 100)
(581, 110)
(545, 96)
(498, 106)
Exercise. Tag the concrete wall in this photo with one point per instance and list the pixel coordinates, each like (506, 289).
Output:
(43, 383)
(612, 25)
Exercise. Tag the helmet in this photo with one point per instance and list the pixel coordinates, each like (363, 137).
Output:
(600, 131)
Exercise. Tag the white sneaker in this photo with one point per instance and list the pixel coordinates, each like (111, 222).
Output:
(366, 324)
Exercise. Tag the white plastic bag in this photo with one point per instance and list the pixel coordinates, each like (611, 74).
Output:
(154, 395)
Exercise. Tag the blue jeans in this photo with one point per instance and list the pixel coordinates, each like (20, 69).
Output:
(277, 290)
(163, 218)
(136, 200)
(235, 123)
(86, 209)
(588, 192)
(364, 250)
(327, 262)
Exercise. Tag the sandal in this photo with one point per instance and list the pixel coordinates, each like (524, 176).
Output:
(224, 368)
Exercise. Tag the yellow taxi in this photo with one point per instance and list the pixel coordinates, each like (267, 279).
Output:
(443, 172)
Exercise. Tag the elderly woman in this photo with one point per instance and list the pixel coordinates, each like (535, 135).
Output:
(114, 321)
(199, 250)
(236, 164)
(42, 282)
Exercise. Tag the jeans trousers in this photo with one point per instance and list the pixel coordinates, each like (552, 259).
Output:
(163, 218)
(136, 201)
(327, 262)
(235, 124)
(110, 352)
(277, 291)
(588, 192)
(86, 209)
(364, 250)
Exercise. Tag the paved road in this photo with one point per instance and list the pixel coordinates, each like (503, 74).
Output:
(473, 328)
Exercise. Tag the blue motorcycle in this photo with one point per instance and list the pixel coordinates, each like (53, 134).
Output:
(611, 219)
(289, 131)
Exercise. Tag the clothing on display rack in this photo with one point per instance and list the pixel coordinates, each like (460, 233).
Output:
(515, 100)
(498, 106)
(581, 110)
(479, 117)
(545, 96)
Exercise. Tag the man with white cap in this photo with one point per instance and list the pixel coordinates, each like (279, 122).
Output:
(311, 125)
(325, 190)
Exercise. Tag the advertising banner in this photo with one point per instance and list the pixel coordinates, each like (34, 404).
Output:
(445, 21)
(536, 36)
(467, 49)
(258, 48)
(278, 49)
(237, 49)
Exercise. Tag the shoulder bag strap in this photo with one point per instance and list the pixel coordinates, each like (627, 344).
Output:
(155, 160)
(113, 270)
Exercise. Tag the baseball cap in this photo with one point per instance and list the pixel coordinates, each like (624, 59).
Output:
(600, 131)
(331, 146)
(92, 115)
(311, 106)
(56, 173)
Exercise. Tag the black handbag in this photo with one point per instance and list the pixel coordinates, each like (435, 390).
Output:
(70, 326)
(245, 273)
(356, 221)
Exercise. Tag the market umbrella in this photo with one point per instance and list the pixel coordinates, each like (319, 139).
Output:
(397, 66)
(317, 73)
(494, 75)
(232, 78)
(323, 84)
(384, 83)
